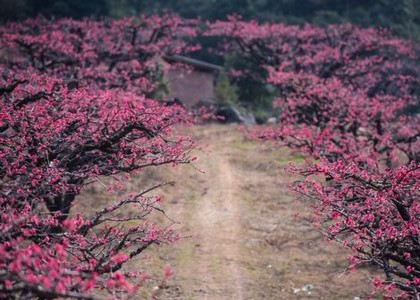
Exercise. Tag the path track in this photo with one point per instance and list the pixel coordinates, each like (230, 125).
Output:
(241, 238)
(219, 226)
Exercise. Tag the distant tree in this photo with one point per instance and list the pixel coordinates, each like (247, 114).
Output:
(402, 16)
(12, 10)
(74, 9)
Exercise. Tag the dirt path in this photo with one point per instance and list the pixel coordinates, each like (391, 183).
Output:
(211, 215)
(219, 226)
(242, 240)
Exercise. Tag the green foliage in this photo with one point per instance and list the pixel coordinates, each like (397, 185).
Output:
(325, 17)
(225, 91)
(21, 9)
(161, 90)
(402, 16)
(161, 84)
(252, 93)
(261, 115)
(120, 8)
(14, 8)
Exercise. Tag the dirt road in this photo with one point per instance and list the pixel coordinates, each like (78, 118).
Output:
(242, 239)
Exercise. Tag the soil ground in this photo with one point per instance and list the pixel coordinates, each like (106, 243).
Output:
(242, 239)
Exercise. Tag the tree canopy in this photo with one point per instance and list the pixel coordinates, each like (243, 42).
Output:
(401, 16)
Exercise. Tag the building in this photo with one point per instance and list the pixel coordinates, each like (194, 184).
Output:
(192, 81)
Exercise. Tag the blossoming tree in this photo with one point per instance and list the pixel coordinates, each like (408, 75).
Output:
(75, 108)
(346, 97)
